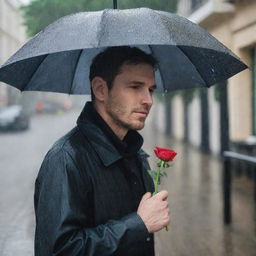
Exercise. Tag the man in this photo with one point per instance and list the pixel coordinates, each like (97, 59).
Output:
(92, 193)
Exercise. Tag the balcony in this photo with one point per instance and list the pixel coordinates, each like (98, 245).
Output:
(200, 11)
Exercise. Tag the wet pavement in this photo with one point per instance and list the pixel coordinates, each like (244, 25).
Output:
(21, 155)
(193, 182)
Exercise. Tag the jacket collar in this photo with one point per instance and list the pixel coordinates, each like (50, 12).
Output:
(93, 131)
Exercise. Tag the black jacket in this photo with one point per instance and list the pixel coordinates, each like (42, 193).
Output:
(84, 200)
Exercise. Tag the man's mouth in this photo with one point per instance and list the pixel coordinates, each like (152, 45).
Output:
(142, 113)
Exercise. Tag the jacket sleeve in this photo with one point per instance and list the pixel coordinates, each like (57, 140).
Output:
(63, 208)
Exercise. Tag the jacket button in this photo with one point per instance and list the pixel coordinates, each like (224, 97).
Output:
(148, 239)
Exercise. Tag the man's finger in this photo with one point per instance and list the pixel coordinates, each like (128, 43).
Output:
(162, 194)
(146, 196)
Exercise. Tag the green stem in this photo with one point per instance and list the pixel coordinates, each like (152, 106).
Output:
(158, 175)
(160, 166)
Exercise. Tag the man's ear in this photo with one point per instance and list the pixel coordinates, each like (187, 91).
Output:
(99, 88)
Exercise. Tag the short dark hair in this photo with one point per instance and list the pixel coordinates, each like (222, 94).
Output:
(107, 64)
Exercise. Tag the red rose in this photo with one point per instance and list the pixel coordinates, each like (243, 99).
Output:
(165, 154)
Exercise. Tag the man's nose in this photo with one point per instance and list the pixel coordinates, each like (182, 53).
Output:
(147, 98)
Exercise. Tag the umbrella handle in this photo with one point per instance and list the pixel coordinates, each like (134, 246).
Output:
(115, 4)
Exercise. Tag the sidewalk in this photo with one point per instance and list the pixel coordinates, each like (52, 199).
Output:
(194, 183)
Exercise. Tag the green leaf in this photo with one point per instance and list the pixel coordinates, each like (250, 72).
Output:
(166, 165)
(152, 174)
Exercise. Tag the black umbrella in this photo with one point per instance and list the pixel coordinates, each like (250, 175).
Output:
(58, 58)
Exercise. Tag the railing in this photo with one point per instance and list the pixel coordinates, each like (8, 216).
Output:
(227, 180)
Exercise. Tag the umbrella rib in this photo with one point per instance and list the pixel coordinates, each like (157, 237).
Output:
(185, 54)
(102, 24)
(160, 71)
(24, 87)
(192, 64)
(74, 73)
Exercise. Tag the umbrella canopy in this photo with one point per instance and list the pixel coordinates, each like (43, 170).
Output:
(57, 59)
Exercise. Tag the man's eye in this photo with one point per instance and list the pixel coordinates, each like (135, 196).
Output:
(135, 87)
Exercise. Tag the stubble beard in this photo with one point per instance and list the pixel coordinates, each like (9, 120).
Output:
(116, 113)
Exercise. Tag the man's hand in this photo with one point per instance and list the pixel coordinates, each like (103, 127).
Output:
(154, 211)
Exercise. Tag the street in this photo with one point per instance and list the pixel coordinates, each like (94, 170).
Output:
(193, 182)
(21, 155)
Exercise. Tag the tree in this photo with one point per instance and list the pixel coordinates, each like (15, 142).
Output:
(40, 13)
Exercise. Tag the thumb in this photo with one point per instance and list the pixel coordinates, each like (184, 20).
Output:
(146, 196)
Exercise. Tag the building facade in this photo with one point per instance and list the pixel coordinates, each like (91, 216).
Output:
(12, 36)
(232, 22)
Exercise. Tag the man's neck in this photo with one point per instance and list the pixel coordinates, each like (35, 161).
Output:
(119, 131)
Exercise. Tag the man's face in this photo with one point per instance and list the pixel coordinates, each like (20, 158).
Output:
(129, 101)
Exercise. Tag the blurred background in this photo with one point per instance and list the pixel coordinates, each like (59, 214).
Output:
(199, 124)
